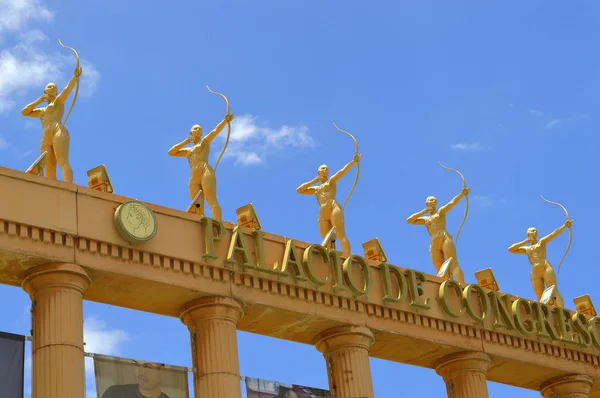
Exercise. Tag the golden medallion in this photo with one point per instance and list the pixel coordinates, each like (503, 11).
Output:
(135, 222)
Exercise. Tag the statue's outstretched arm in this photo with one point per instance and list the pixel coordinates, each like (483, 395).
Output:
(518, 248)
(417, 218)
(179, 150)
(554, 234)
(307, 189)
(450, 205)
(213, 134)
(62, 97)
(30, 110)
(338, 176)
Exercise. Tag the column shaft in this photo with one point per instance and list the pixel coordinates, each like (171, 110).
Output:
(56, 291)
(568, 386)
(212, 323)
(346, 352)
(465, 374)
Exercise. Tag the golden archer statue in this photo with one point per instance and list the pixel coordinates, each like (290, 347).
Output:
(331, 214)
(442, 247)
(203, 179)
(542, 274)
(55, 136)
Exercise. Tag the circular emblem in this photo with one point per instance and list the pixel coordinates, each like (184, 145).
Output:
(135, 222)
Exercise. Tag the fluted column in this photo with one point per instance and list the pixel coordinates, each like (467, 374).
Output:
(212, 323)
(346, 351)
(569, 386)
(465, 374)
(56, 292)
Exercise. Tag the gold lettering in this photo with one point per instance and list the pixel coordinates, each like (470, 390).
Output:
(387, 271)
(261, 263)
(526, 328)
(501, 310)
(237, 246)
(367, 274)
(291, 260)
(415, 280)
(483, 302)
(338, 274)
(443, 297)
(592, 325)
(210, 238)
(259, 246)
(581, 334)
(563, 317)
(307, 261)
(543, 315)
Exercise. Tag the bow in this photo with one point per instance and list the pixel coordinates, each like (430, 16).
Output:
(77, 88)
(228, 127)
(357, 163)
(466, 198)
(570, 231)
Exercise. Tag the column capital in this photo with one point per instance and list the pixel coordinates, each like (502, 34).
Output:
(572, 384)
(56, 275)
(214, 307)
(470, 361)
(344, 337)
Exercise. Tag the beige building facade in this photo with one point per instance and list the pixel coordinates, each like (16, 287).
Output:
(59, 242)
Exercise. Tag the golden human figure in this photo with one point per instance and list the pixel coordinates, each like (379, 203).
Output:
(55, 136)
(542, 274)
(331, 214)
(442, 246)
(202, 176)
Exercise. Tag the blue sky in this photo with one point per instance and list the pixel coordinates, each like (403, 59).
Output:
(505, 92)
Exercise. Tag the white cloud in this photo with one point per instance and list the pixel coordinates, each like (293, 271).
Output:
(99, 339)
(553, 123)
(15, 14)
(250, 143)
(21, 68)
(536, 112)
(245, 158)
(243, 128)
(23, 63)
(568, 121)
(289, 136)
(482, 200)
(471, 147)
(487, 200)
(32, 36)
(25, 66)
(22, 155)
(5, 145)
(90, 79)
